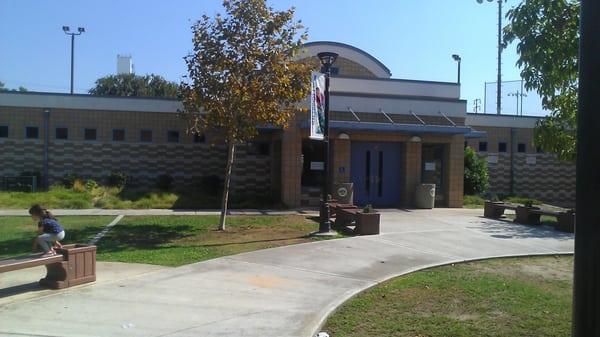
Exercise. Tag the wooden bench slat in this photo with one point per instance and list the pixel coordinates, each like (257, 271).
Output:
(28, 261)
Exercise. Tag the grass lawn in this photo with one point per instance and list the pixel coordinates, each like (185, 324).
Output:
(17, 233)
(502, 297)
(166, 240)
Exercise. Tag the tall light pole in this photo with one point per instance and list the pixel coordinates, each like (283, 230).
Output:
(586, 284)
(67, 30)
(500, 46)
(457, 58)
(327, 60)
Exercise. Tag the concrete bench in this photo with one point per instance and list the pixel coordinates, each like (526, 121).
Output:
(495, 209)
(74, 264)
(565, 219)
(364, 224)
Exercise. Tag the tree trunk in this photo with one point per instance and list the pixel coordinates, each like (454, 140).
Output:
(230, 156)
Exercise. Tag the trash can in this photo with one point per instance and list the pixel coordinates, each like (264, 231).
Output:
(425, 196)
(343, 193)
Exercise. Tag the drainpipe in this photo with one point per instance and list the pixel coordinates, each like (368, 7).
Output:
(46, 140)
(512, 161)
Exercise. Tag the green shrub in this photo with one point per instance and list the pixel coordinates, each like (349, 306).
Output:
(476, 173)
(473, 201)
(164, 182)
(523, 200)
(117, 179)
(90, 185)
(69, 179)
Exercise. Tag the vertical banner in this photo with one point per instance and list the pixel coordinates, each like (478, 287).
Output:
(317, 106)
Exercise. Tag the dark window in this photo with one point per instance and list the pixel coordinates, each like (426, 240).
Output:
(173, 136)
(89, 134)
(3, 131)
(538, 149)
(482, 146)
(118, 135)
(263, 149)
(146, 136)
(502, 147)
(521, 147)
(62, 133)
(199, 138)
(32, 132)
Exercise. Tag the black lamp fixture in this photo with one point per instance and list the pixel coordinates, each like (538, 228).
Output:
(67, 31)
(457, 58)
(327, 60)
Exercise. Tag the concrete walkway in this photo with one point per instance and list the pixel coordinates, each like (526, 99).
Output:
(286, 291)
(133, 212)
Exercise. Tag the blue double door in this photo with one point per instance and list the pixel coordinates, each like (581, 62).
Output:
(375, 171)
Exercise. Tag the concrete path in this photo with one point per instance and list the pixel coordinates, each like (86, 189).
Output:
(286, 291)
(115, 212)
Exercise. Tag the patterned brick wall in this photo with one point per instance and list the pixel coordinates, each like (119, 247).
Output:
(537, 175)
(185, 160)
(346, 67)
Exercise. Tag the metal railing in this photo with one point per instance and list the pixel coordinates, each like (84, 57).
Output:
(19, 184)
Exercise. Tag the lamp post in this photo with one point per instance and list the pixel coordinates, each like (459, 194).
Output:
(327, 59)
(67, 30)
(457, 58)
(500, 46)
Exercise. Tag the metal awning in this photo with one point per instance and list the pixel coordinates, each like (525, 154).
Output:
(406, 128)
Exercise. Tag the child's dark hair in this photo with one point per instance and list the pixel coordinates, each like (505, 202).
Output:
(41, 212)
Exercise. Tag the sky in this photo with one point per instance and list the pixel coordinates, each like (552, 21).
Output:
(413, 38)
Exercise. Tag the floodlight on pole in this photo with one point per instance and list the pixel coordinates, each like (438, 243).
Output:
(67, 30)
(457, 58)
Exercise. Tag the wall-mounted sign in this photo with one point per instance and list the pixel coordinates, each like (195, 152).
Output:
(430, 166)
(317, 106)
(317, 165)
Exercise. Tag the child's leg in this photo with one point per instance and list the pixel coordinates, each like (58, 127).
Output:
(44, 242)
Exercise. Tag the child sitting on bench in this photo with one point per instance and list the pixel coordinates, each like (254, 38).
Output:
(51, 232)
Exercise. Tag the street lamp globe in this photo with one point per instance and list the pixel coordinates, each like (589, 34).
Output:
(66, 29)
(456, 57)
(81, 29)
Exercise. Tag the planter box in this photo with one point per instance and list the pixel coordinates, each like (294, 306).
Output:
(78, 267)
(367, 223)
(524, 216)
(565, 222)
(490, 209)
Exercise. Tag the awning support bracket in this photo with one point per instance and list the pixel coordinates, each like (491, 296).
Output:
(417, 117)
(386, 116)
(353, 114)
(448, 119)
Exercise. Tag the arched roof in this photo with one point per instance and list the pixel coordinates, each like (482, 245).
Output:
(349, 52)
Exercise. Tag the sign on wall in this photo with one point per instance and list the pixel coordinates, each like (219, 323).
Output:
(317, 106)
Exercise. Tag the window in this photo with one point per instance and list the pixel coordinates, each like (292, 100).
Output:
(146, 136)
(32, 132)
(173, 136)
(482, 146)
(62, 133)
(199, 138)
(89, 134)
(521, 147)
(502, 147)
(3, 131)
(263, 149)
(118, 135)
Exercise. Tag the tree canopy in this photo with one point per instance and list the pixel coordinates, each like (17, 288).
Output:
(548, 40)
(3, 88)
(242, 73)
(135, 85)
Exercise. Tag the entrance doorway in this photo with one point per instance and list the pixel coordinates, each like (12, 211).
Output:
(375, 171)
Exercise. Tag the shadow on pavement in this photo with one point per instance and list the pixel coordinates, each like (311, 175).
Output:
(507, 229)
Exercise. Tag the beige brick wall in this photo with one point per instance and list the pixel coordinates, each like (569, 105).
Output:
(346, 68)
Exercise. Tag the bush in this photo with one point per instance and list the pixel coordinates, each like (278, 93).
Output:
(117, 179)
(522, 200)
(473, 201)
(69, 179)
(90, 185)
(164, 182)
(78, 186)
(476, 173)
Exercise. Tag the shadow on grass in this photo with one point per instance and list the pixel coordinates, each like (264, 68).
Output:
(130, 237)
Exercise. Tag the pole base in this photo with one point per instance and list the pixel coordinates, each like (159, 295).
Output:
(327, 234)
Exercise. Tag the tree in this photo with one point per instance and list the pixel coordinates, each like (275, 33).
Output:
(548, 42)
(135, 85)
(476, 173)
(242, 75)
(3, 88)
